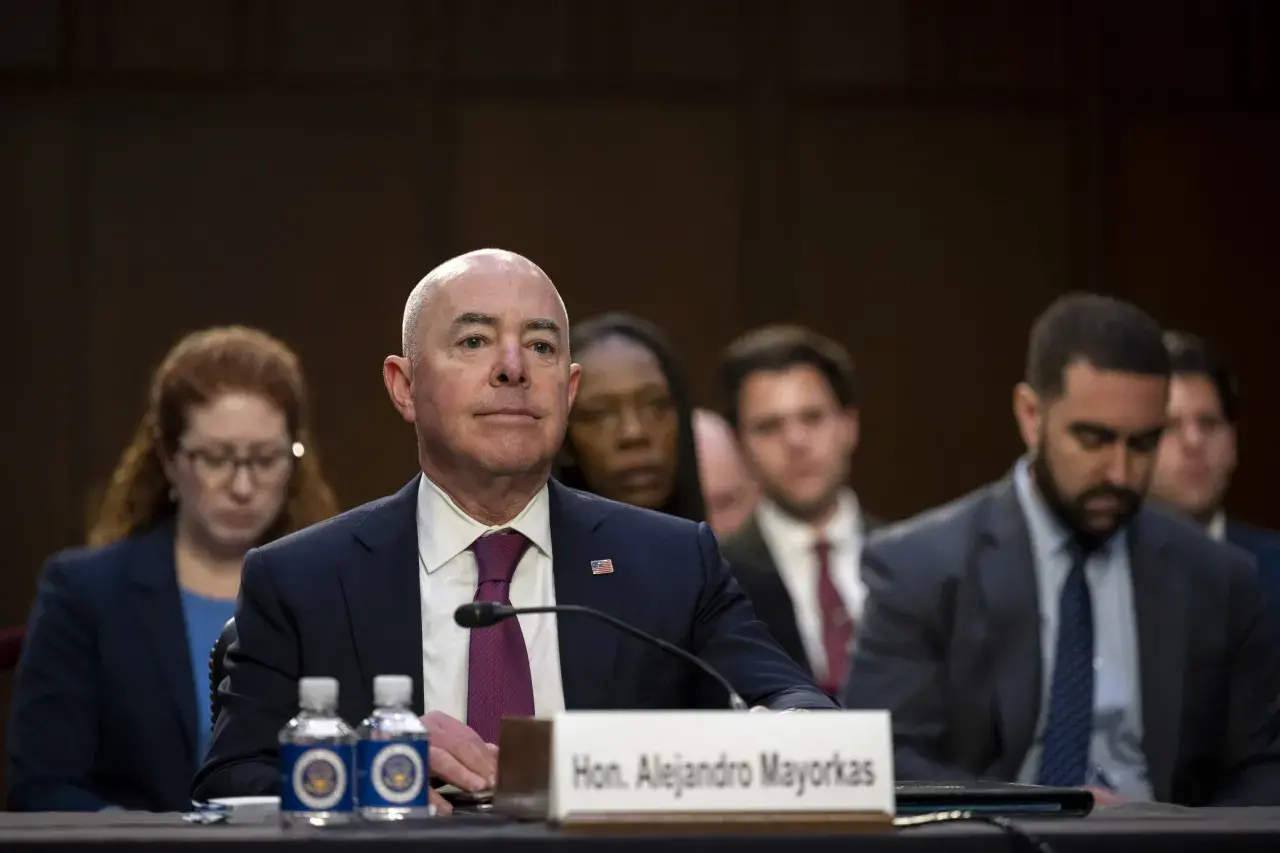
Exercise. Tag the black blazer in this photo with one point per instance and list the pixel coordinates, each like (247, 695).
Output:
(950, 645)
(341, 599)
(104, 703)
(757, 572)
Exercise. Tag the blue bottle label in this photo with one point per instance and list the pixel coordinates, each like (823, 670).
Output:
(392, 773)
(316, 778)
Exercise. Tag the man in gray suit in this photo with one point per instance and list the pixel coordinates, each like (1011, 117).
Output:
(1050, 629)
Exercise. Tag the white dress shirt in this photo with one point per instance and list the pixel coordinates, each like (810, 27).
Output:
(447, 578)
(1218, 526)
(791, 542)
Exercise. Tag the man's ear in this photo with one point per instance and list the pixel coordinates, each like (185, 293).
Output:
(575, 376)
(852, 427)
(397, 376)
(1028, 412)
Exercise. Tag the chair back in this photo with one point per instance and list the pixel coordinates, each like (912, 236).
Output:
(218, 665)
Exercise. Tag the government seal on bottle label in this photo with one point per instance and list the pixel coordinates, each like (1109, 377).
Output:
(319, 779)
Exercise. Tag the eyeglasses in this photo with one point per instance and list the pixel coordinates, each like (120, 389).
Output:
(219, 466)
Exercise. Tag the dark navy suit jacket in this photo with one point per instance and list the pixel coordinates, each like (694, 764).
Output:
(1264, 545)
(104, 705)
(342, 599)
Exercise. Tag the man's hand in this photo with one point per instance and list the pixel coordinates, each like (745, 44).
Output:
(1105, 797)
(459, 756)
(765, 709)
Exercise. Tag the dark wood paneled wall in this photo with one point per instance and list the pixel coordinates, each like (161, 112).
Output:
(915, 178)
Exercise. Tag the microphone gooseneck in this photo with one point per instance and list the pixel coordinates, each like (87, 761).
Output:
(482, 614)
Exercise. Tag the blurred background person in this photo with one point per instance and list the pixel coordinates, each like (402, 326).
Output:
(630, 435)
(1197, 456)
(1049, 628)
(791, 394)
(111, 707)
(729, 492)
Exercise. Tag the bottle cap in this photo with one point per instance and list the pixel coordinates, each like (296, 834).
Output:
(318, 693)
(389, 690)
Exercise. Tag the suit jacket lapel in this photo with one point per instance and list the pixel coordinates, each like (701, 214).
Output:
(760, 577)
(157, 610)
(1007, 579)
(1159, 603)
(749, 541)
(587, 648)
(383, 593)
(757, 559)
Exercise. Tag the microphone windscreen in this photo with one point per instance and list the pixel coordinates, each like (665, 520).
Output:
(470, 615)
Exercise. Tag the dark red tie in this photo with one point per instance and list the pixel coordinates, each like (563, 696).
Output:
(837, 626)
(498, 680)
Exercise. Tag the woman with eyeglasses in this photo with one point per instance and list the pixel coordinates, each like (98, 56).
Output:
(111, 702)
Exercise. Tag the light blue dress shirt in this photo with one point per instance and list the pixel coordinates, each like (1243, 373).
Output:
(205, 618)
(1116, 758)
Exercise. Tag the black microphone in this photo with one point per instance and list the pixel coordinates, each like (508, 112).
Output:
(482, 614)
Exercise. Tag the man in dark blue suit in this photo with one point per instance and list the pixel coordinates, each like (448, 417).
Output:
(487, 380)
(1198, 456)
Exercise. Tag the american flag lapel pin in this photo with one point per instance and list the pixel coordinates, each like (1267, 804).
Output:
(602, 567)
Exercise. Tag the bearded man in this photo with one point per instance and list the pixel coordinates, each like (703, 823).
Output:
(1049, 628)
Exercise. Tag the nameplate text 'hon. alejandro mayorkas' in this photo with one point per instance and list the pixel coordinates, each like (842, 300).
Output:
(685, 762)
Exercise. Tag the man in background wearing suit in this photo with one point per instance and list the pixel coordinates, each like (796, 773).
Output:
(486, 379)
(1197, 457)
(792, 397)
(1048, 628)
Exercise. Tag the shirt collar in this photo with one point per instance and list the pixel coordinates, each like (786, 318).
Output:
(1218, 526)
(445, 531)
(793, 534)
(1049, 536)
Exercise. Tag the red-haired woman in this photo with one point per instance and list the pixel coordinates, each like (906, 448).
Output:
(111, 702)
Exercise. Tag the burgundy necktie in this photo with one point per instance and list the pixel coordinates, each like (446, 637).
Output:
(498, 680)
(837, 626)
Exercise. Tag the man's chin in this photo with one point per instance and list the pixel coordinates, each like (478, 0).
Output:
(1195, 507)
(804, 506)
(514, 462)
(1096, 529)
(1098, 532)
(1202, 507)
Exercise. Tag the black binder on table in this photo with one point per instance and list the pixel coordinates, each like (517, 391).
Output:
(1006, 799)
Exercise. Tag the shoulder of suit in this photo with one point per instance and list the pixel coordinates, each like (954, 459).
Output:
(938, 524)
(1256, 539)
(92, 566)
(606, 511)
(1193, 547)
(324, 534)
(335, 531)
(872, 523)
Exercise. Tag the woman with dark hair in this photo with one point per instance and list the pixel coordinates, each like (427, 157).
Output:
(111, 705)
(630, 435)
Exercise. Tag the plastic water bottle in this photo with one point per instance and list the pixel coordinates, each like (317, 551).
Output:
(392, 769)
(317, 760)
